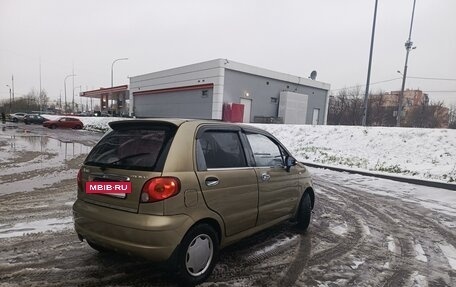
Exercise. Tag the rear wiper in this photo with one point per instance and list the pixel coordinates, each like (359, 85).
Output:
(128, 157)
(95, 163)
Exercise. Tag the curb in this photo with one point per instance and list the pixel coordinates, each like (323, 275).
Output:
(423, 182)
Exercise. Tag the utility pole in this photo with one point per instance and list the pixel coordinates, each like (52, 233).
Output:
(10, 98)
(408, 47)
(64, 87)
(72, 106)
(12, 87)
(366, 95)
(39, 93)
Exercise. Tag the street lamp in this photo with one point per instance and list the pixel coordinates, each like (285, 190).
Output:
(10, 98)
(112, 69)
(64, 86)
(80, 89)
(408, 47)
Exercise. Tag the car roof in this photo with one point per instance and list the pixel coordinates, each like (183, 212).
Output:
(180, 121)
(173, 121)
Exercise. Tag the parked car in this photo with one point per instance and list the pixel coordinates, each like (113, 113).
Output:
(34, 119)
(195, 187)
(64, 123)
(17, 117)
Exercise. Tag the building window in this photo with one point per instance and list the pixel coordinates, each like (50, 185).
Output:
(274, 100)
(205, 93)
(267, 83)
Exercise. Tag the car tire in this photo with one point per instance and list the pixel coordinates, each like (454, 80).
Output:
(97, 247)
(14, 120)
(53, 127)
(304, 212)
(78, 127)
(198, 254)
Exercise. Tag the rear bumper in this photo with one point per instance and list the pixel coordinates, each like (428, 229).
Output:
(149, 236)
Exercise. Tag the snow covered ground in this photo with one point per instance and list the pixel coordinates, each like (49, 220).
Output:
(420, 153)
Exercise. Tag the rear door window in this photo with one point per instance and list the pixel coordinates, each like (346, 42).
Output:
(220, 149)
(133, 148)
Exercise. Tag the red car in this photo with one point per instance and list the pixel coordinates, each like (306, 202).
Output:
(65, 123)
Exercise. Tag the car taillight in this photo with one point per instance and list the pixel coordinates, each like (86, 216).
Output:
(160, 188)
(79, 179)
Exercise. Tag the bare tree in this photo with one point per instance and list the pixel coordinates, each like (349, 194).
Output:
(346, 107)
(43, 100)
(452, 117)
(356, 105)
(434, 115)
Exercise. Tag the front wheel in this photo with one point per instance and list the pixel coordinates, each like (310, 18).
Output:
(198, 255)
(304, 212)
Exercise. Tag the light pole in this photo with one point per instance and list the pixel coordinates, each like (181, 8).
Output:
(80, 89)
(112, 70)
(408, 47)
(10, 98)
(366, 95)
(64, 86)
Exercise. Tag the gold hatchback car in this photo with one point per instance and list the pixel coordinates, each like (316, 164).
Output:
(177, 191)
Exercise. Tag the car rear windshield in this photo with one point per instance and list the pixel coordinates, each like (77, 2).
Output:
(137, 148)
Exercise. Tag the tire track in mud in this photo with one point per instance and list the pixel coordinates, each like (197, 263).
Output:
(387, 223)
(74, 262)
(409, 226)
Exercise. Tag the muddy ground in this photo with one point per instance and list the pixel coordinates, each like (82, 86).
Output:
(356, 238)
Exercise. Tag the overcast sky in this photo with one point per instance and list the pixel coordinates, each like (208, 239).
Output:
(293, 37)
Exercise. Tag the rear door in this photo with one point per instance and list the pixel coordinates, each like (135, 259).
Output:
(130, 153)
(228, 184)
(278, 188)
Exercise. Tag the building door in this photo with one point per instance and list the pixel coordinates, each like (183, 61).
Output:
(247, 108)
(315, 116)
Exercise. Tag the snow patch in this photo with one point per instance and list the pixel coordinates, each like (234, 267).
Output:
(391, 244)
(339, 229)
(450, 253)
(275, 245)
(418, 280)
(356, 264)
(366, 229)
(420, 255)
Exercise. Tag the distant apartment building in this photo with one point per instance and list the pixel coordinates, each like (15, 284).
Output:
(418, 111)
(412, 98)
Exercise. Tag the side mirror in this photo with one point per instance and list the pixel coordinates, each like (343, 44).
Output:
(289, 162)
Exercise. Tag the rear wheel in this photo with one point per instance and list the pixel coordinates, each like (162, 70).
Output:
(78, 127)
(198, 255)
(305, 212)
(53, 127)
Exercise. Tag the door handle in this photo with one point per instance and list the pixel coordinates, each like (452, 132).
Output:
(265, 177)
(212, 181)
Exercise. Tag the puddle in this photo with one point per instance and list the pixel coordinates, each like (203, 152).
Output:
(52, 224)
(29, 161)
